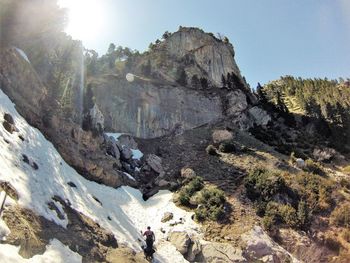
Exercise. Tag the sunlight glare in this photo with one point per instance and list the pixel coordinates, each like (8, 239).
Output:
(86, 18)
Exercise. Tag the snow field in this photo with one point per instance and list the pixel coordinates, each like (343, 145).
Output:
(125, 207)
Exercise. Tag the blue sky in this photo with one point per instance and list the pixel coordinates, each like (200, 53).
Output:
(307, 38)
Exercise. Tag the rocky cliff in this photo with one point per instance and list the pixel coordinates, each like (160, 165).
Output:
(199, 53)
(177, 84)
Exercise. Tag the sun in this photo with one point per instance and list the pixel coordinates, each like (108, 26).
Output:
(85, 18)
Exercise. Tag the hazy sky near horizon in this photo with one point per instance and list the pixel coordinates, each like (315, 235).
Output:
(271, 38)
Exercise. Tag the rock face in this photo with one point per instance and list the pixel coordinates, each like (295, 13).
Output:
(159, 102)
(146, 110)
(209, 56)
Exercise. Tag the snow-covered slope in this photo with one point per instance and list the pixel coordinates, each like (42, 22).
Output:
(124, 206)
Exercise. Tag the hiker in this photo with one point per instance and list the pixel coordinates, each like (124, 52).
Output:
(150, 238)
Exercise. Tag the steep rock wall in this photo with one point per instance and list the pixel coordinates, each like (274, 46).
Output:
(147, 110)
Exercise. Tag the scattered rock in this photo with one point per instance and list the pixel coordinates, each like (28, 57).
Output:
(126, 153)
(9, 127)
(8, 117)
(300, 163)
(227, 147)
(34, 166)
(181, 241)
(221, 252)
(211, 150)
(97, 200)
(324, 155)
(71, 184)
(163, 183)
(112, 148)
(150, 193)
(188, 173)
(25, 158)
(221, 136)
(155, 162)
(127, 141)
(52, 206)
(194, 250)
(167, 217)
(21, 138)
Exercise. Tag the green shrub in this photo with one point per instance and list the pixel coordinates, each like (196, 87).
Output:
(201, 214)
(211, 150)
(262, 184)
(313, 167)
(227, 147)
(289, 215)
(315, 190)
(341, 216)
(268, 222)
(195, 185)
(184, 197)
(303, 214)
(187, 191)
(211, 204)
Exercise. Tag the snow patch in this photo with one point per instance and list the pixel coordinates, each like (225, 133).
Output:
(136, 154)
(22, 54)
(122, 211)
(115, 135)
(55, 252)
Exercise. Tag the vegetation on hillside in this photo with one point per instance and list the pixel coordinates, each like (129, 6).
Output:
(208, 202)
(287, 199)
(321, 102)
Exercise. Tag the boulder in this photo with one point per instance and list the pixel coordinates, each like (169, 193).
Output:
(9, 127)
(167, 217)
(221, 252)
(155, 162)
(194, 250)
(181, 241)
(259, 116)
(126, 153)
(163, 183)
(300, 163)
(222, 135)
(325, 154)
(188, 173)
(112, 148)
(128, 141)
(259, 246)
(8, 117)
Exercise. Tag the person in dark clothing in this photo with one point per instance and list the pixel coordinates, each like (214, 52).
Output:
(150, 238)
